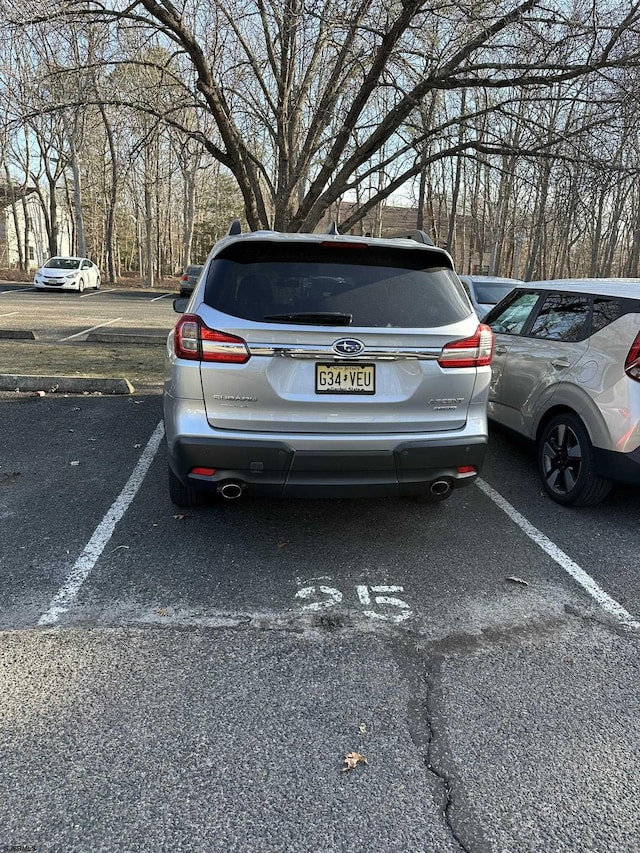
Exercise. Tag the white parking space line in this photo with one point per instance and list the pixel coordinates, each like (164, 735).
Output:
(15, 290)
(86, 331)
(164, 296)
(608, 604)
(67, 593)
(10, 314)
(98, 292)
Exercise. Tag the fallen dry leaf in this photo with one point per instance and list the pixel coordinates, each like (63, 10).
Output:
(179, 517)
(352, 759)
(363, 728)
(282, 544)
(514, 579)
(76, 462)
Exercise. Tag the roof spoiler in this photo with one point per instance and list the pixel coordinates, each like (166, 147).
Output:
(412, 234)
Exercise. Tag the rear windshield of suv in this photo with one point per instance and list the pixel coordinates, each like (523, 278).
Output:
(300, 282)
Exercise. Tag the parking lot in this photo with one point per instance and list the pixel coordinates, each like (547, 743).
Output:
(192, 679)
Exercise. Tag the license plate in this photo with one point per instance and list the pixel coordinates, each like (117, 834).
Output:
(345, 378)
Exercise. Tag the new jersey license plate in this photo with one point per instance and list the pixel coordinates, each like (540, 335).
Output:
(345, 378)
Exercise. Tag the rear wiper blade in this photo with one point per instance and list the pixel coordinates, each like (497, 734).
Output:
(321, 318)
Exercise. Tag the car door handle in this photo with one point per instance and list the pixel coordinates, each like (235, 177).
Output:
(560, 362)
(501, 349)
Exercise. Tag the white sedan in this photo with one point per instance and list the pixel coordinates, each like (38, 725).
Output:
(67, 274)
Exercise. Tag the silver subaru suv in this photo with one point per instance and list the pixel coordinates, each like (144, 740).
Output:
(566, 373)
(321, 365)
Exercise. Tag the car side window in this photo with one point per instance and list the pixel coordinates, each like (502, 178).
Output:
(563, 317)
(512, 318)
(85, 265)
(605, 311)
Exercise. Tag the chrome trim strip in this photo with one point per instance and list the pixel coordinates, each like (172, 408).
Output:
(220, 348)
(315, 352)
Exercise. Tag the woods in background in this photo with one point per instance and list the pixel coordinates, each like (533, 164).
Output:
(510, 129)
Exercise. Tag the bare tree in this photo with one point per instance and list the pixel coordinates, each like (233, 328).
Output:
(292, 87)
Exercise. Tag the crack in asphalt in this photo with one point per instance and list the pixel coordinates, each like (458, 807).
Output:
(422, 710)
(423, 730)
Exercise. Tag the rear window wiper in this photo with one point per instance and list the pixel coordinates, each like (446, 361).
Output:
(320, 318)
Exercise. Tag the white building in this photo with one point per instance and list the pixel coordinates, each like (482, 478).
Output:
(26, 214)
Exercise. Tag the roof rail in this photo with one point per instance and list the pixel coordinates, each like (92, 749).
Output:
(235, 228)
(332, 229)
(412, 234)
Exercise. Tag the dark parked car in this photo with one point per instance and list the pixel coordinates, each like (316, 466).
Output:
(485, 291)
(189, 279)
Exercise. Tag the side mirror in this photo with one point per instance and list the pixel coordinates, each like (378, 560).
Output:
(180, 304)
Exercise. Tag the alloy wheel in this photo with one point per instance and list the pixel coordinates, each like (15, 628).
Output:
(562, 459)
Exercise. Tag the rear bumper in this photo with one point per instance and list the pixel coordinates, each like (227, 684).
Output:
(276, 469)
(619, 467)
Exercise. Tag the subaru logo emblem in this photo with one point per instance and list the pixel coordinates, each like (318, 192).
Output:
(348, 346)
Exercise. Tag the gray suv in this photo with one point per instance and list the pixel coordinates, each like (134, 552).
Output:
(566, 373)
(320, 365)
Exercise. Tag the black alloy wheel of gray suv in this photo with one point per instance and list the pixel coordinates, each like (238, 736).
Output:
(320, 365)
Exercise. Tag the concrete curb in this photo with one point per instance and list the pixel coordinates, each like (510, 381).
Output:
(17, 335)
(120, 338)
(65, 384)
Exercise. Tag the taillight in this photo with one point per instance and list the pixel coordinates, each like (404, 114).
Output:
(632, 363)
(195, 341)
(476, 351)
(185, 277)
(186, 337)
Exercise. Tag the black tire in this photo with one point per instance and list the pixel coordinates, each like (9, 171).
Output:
(185, 495)
(98, 283)
(567, 465)
(81, 286)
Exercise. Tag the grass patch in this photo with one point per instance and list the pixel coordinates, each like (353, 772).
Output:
(140, 364)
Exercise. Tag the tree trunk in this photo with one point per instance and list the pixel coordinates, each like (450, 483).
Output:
(80, 241)
(148, 235)
(53, 218)
(189, 211)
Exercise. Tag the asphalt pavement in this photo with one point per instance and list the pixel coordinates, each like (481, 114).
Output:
(193, 679)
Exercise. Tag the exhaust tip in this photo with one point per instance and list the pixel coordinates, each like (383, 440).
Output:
(231, 491)
(440, 488)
